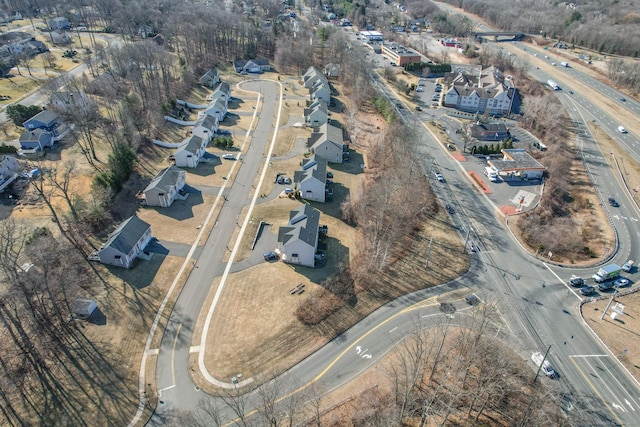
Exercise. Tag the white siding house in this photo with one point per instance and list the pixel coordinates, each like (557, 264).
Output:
(311, 180)
(190, 154)
(125, 243)
(328, 144)
(317, 113)
(299, 239)
(165, 187)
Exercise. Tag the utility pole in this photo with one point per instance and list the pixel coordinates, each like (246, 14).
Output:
(466, 240)
(604, 313)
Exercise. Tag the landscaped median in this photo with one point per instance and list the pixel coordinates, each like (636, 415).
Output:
(477, 179)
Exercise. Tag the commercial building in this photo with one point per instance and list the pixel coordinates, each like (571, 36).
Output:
(400, 55)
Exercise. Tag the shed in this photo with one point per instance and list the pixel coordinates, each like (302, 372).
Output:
(83, 308)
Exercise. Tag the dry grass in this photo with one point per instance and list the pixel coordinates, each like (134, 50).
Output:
(619, 335)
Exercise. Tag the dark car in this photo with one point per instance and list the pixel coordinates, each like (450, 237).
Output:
(613, 202)
(450, 209)
(576, 281)
(271, 256)
(605, 286)
(223, 132)
(473, 247)
(622, 99)
(472, 299)
(587, 290)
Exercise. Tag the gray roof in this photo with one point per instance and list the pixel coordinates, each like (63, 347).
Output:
(32, 136)
(326, 133)
(303, 225)
(193, 144)
(165, 179)
(206, 121)
(516, 159)
(313, 167)
(45, 116)
(212, 73)
(317, 104)
(126, 236)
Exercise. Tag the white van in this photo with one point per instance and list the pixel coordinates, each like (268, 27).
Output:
(537, 358)
(493, 176)
(621, 129)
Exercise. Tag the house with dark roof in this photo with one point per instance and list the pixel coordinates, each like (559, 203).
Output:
(316, 114)
(46, 120)
(211, 78)
(327, 142)
(217, 108)
(165, 187)
(191, 152)
(37, 139)
(60, 23)
(125, 244)
(516, 163)
(311, 180)
(299, 239)
(489, 131)
(258, 65)
(488, 91)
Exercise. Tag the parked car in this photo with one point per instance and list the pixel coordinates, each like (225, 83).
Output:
(419, 89)
(229, 156)
(329, 174)
(223, 132)
(587, 290)
(576, 282)
(472, 299)
(271, 256)
(628, 266)
(286, 180)
(439, 177)
(605, 286)
(328, 192)
(621, 282)
(288, 191)
(613, 202)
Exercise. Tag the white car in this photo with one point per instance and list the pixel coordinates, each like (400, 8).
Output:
(538, 358)
(621, 282)
(229, 156)
(419, 90)
(439, 177)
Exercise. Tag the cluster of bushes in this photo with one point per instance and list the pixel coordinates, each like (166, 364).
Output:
(323, 302)
(384, 107)
(223, 141)
(492, 148)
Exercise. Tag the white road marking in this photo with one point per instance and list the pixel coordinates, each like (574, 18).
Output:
(630, 406)
(166, 388)
(615, 405)
(589, 355)
(393, 329)
(366, 356)
(359, 349)
(194, 349)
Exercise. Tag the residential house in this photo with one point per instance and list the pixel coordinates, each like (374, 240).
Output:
(60, 23)
(190, 153)
(223, 91)
(217, 108)
(37, 139)
(311, 76)
(299, 239)
(9, 168)
(45, 120)
(332, 71)
(211, 78)
(311, 181)
(60, 37)
(320, 90)
(489, 131)
(205, 127)
(488, 91)
(328, 144)
(517, 164)
(126, 243)
(316, 114)
(259, 65)
(70, 101)
(165, 187)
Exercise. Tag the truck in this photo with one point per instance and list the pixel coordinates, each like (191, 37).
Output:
(607, 273)
(489, 172)
(565, 64)
(553, 85)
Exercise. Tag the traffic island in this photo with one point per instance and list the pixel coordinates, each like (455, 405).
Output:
(479, 182)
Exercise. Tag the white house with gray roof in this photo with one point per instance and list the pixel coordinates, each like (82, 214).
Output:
(299, 239)
(312, 76)
(165, 187)
(205, 127)
(9, 169)
(488, 91)
(320, 90)
(316, 114)
(312, 179)
(125, 244)
(328, 144)
(211, 78)
(191, 152)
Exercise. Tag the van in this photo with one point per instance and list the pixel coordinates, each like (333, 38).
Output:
(540, 146)
(489, 172)
(621, 129)
(547, 369)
